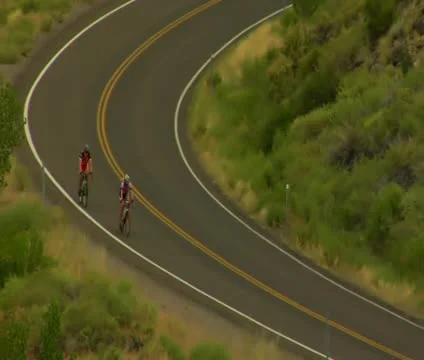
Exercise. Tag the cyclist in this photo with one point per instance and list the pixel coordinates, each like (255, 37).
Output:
(85, 165)
(125, 192)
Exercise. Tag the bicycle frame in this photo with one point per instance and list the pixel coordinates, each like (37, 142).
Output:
(84, 180)
(126, 210)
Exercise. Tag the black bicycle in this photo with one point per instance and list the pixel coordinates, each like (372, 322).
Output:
(125, 223)
(83, 194)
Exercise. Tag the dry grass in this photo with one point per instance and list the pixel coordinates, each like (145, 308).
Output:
(255, 45)
(178, 318)
(22, 23)
(401, 295)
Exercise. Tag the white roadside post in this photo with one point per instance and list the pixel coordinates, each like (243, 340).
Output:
(287, 200)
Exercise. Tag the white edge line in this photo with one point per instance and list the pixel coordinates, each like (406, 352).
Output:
(181, 151)
(101, 227)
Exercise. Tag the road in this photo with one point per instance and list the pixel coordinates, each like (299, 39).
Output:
(227, 261)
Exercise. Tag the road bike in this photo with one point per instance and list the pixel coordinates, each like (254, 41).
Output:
(124, 225)
(83, 193)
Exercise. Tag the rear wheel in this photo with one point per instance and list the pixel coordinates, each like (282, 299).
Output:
(126, 224)
(84, 194)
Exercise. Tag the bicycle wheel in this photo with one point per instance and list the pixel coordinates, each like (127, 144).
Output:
(122, 221)
(126, 225)
(84, 198)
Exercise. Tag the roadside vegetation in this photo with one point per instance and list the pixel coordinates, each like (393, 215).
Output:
(22, 22)
(58, 297)
(328, 98)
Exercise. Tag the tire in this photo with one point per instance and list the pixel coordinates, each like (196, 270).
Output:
(84, 197)
(126, 225)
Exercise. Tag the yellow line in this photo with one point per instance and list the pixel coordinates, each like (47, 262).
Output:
(101, 130)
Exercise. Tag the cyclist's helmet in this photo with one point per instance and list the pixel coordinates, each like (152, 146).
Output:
(127, 178)
(86, 148)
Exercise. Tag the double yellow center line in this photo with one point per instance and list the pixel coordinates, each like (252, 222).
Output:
(101, 130)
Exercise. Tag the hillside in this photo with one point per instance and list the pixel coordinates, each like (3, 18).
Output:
(61, 297)
(330, 101)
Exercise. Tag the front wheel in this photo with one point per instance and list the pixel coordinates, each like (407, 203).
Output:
(124, 226)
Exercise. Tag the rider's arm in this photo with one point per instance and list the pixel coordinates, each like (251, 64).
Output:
(131, 193)
(90, 164)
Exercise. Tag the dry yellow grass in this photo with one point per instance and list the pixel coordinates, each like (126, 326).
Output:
(24, 22)
(78, 255)
(401, 295)
(255, 45)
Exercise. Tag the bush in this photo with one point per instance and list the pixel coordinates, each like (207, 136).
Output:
(28, 6)
(111, 353)
(94, 319)
(306, 8)
(379, 15)
(21, 239)
(171, 348)
(119, 302)
(21, 35)
(57, 9)
(51, 333)
(385, 211)
(89, 325)
(69, 317)
(209, 351)
(13, 339)
(36, 289)
(11, 127)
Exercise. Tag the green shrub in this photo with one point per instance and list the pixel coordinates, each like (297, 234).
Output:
(56, 8)
(21, 35)
(214, 79)
(289, 18)
(379, 15)
(111, 353)
(51, 333)
(11, 126)
(385, 211)
(209, 351)
(120, 303)
(4, 12)
(306, 8)
(14, 339)
(171, 348)
(9, 54)
(89, 325)
(28, 6)
(37, 289)
(21, 239)
(94, 319)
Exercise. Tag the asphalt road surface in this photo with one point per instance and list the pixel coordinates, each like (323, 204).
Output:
(138, 122)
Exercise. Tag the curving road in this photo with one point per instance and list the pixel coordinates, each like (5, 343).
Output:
(129, 122)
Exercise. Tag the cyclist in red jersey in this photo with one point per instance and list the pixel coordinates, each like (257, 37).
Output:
(85, 165)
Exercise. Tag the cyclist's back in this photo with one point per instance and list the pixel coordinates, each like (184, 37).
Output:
(125, 188)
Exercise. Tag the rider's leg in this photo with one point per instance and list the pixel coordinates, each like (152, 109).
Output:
(124, 197)
(79, 183)
(121, 210)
